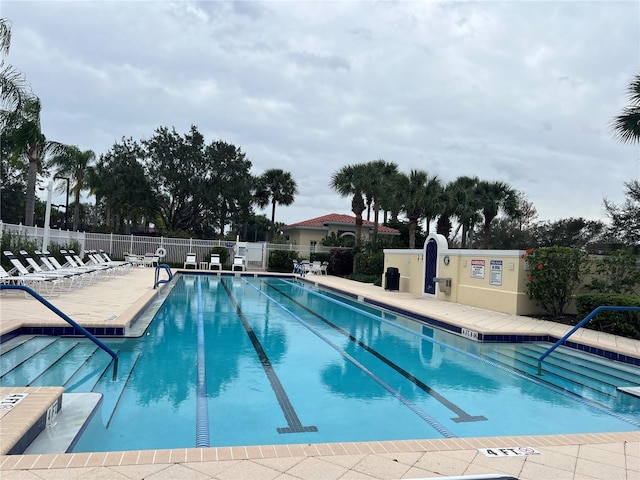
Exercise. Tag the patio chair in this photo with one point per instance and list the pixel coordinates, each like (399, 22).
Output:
(191, 260)
(44, 285)
(238, 263)
(214, 263)
(323, 268)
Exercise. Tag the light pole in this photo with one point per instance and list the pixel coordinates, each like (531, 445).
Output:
(66, 210)
(47, 218)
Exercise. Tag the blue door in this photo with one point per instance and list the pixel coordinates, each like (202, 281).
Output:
(431, 262)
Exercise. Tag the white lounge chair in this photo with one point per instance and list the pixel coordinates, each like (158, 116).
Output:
(238, 263)
(44, 285)
(191, 260)
(214, 263)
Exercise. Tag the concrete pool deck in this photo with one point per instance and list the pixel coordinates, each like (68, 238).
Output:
(116, 301)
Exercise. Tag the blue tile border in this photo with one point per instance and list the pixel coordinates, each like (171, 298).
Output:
(63, 332)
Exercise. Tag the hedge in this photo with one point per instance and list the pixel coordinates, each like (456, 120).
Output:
(626, 324)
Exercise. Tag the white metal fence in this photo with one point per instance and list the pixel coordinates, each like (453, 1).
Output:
(256, 254)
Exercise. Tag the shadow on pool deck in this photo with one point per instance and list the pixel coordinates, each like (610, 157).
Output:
(116, 301)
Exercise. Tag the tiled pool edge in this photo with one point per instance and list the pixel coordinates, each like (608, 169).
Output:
(214, 454)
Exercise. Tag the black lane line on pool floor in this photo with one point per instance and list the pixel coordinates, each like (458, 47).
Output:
(295, 425)
(462, 415)
(437, 426)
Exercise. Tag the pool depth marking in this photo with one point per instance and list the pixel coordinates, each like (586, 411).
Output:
(202, 404)
(295, 425)
(437, 426)
(462, 415)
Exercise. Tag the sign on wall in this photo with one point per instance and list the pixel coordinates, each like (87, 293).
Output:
(495, 272)
(477, 268)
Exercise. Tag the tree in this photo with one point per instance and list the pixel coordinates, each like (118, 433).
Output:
(74, 164)
(627, 125)
(228, 187)
(30, 146)
(418, 192)
(177, 168)
(349, 181)
(277, 187)
(625, 218)
(377, 183)
(124, 196)
(411, 190)
(13, 87)
(494, 197)
(568, 232)
(464, 203)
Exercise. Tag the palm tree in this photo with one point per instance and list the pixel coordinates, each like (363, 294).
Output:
(13, 87)
(435, 200)
(349, 180)
(74, 164)
(465, 204)
(275, 186)
(493, 197)
(411, 188)
(29, 144)
(627, 124)
(378, 184)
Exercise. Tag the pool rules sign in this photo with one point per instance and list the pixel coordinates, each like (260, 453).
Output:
(495, 272)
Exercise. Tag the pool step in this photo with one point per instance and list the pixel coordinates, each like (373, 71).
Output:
(36, 363)
(112, 389)
(52, 361)
(574, 372)
(19, 350)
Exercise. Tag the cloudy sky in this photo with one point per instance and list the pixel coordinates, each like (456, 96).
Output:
(522, 92)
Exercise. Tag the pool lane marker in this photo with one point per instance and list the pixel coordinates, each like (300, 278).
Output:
(437, 426)
(462, 416)
(559, 391)
(202, 403)
(294, 423)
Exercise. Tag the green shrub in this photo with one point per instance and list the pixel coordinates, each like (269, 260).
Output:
(281, 261)
(626, 324)
(554, 275)
(616, 272)
(368, 264)
(319, 257)
(223, 252)
(375, 279)
(341, 262)
(14, 242)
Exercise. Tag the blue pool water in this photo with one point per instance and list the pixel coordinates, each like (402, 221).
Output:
(233, 360)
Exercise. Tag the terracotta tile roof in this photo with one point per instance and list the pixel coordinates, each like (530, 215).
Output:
(336, 219)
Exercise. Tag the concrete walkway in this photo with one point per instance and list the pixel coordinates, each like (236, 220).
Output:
(115, 302)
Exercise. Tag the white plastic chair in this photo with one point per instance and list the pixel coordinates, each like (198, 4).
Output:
(191, 260)
(214, 263)
(238, 263)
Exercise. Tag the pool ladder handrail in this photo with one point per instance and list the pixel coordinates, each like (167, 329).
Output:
(67, 319)
(162, 266)
(579, 325)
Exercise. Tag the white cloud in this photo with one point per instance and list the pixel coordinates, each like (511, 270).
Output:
(517, 91)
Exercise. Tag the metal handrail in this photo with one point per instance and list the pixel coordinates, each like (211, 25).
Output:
(579, 325)
(66, 318)
(162, 266)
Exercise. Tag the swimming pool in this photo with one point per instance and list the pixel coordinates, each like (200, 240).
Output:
(232, 360)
